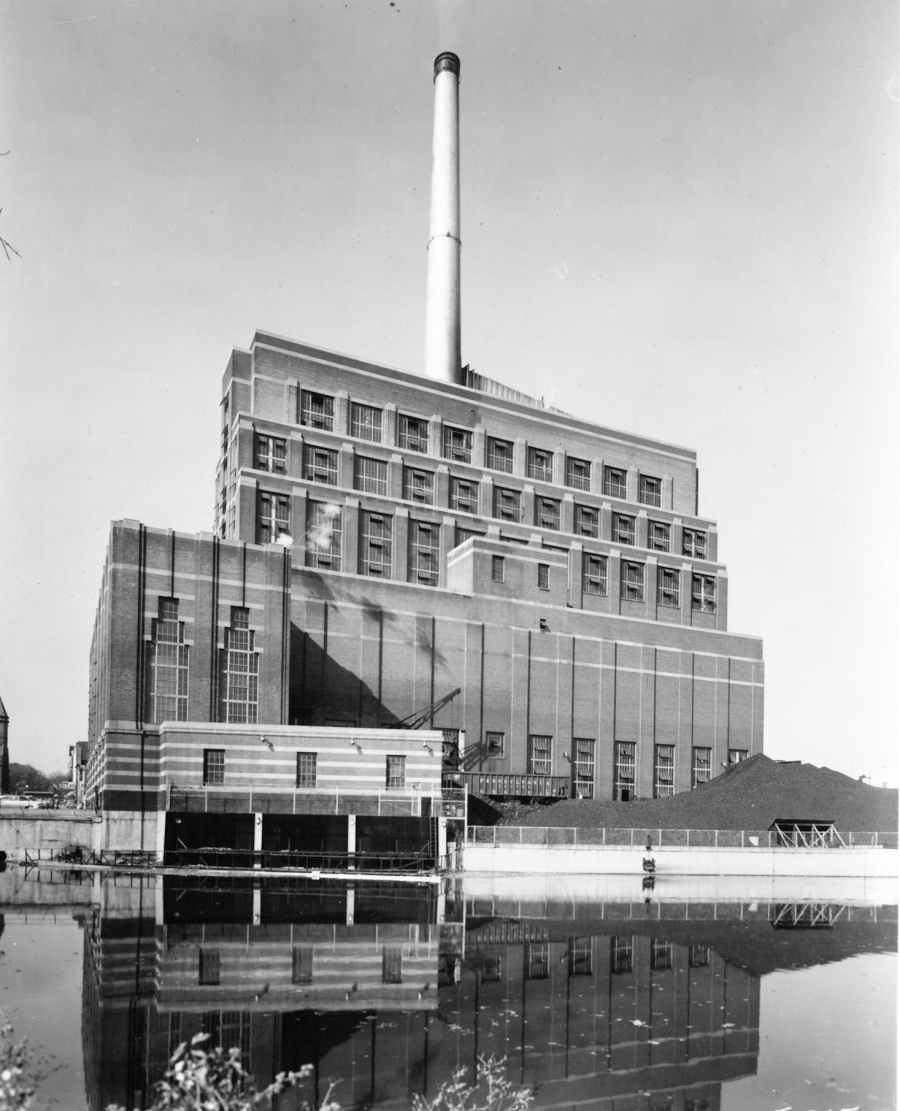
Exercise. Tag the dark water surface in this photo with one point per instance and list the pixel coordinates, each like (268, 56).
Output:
(612, 1000)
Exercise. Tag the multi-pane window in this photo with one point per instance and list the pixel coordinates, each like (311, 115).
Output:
(273, 518)
(650, 490)
(424, 551)
(464, 534)
(507, 504)
(463, 495)
(539, 754)
(537, 960)
(540, 464)
(210, 966)
(316, 410)
(593, 574)
(270, 454)
(500, 454)
(494, 744)
(546, 512)
(392, 964)
(698, 956)
(587, 521)
(703, 593)
(583, 768)
(736, 755)
(701, 766)
(614, 482)
(365, 422)
(693, 543)
(663, 771)
(418, 485)
(659, 536)
(622, 955)
(660, 955)
(306, 769)
(320, 465)
(632, 581)
(412, 433)
(580, 956)
(302, 964)
(622, 528)
(498, 569)
(240, 678)
(458, 444)
(323, 535)
(395, 773)
(170, 659)
(214, 767)
(623, 787)
(375, 545)
(578, 474)
(370, 475)
(543, 576)
(490, 970)
(668, 587)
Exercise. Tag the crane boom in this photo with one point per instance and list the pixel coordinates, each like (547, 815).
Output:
(418, 718)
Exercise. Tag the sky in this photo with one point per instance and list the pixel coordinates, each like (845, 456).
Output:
(679, 218)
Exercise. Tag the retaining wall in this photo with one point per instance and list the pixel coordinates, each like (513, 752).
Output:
(28, 831)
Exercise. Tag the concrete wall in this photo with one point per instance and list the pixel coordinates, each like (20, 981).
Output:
(50, 831)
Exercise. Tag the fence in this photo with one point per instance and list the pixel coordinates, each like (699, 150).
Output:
(573, 836)
(446, 802)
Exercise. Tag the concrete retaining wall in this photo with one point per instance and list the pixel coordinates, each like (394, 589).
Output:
(28, 831)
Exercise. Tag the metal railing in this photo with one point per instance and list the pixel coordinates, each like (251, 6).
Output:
(573, 836)
(520, 786)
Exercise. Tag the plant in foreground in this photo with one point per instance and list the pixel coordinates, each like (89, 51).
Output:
(490, 1092)
(16, 1086)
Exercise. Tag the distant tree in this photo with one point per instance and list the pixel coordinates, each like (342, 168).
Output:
(23, 777)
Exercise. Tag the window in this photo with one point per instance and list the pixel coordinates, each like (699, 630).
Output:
(170, 657)
(543, 576)
(703, 593)
(622, 954)
(632, 581)
(320, 465)
(539, 464)
(587, 521)
(395, 773)
(698, 956)
(578, 474)
(701, 766)
(302, 964)
(583, 768)
(457, 444)
(412, 434)
(650, 490)
(500, 454)
(210, 966)
(593, 576)
(375, 545)
(464, 534)
(494, 745)
(546, 513)
(660, 955)
(370, 475)
(418, 486)
(539, 754)
(490, 970)
(622, 529)
(316, 410)
(323, 535)
(273, 517)
(214, 767)
(614, 482)
(663, 771)
(580, 957)
(623, 788)
(736, 755)
(668, 587)
(498, 569)
(693, 543)
(240, 679)
(392, 964)
(306, 770)
(270, 454)
(507, 504)
(659, 538)
(365, 422)
(463, 495)
(424, 553)
(537, 960)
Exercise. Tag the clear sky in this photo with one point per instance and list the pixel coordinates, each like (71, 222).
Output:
(679, 218)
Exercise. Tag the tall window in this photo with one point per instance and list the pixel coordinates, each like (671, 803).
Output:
(320, 465)
(418, 486)
(580, 956)
(464, 534)
(583, 768)
(736, 755)
(316, 410)
(540, 760)
(540, 464)
(306, 769)
(170, 657)
(632, 581)
(493, 743)
(593, 578)
(546, 512)
(543, 578)
(622, 954)
(587, 521)
(412, 433)
(668, 587)
(614, 482)
(370, 475)
(463, 495)
(698, 956)
(650, 490)
(273, 517)
(703, 593)
(392, 964)
(500, 454)
(302, 964)
(537, 960)
(693, 543)
(240, 679)
(660, 955)
(498, 569)
(424, 552)
(623, 528)
(210, 966)
(365, 422)
(458, 444)
(663, 771)
(395, 773)
(578, 474)
(214, 767)
(701, 766)
(323, 535)
(375, 545)
(270, 453)
(507, 504)
(659, 536)
(623, 787)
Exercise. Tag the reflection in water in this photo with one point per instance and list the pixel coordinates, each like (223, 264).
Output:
(389, 989)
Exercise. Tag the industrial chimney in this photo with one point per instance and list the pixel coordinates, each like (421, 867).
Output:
(442, 315)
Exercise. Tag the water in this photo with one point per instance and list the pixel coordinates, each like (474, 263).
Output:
(596, 993)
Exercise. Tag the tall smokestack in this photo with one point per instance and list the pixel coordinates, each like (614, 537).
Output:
(442, 315)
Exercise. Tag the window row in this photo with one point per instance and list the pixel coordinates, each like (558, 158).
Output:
(663, 768)
(307, 770)
(538, 963)
(302, 965)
